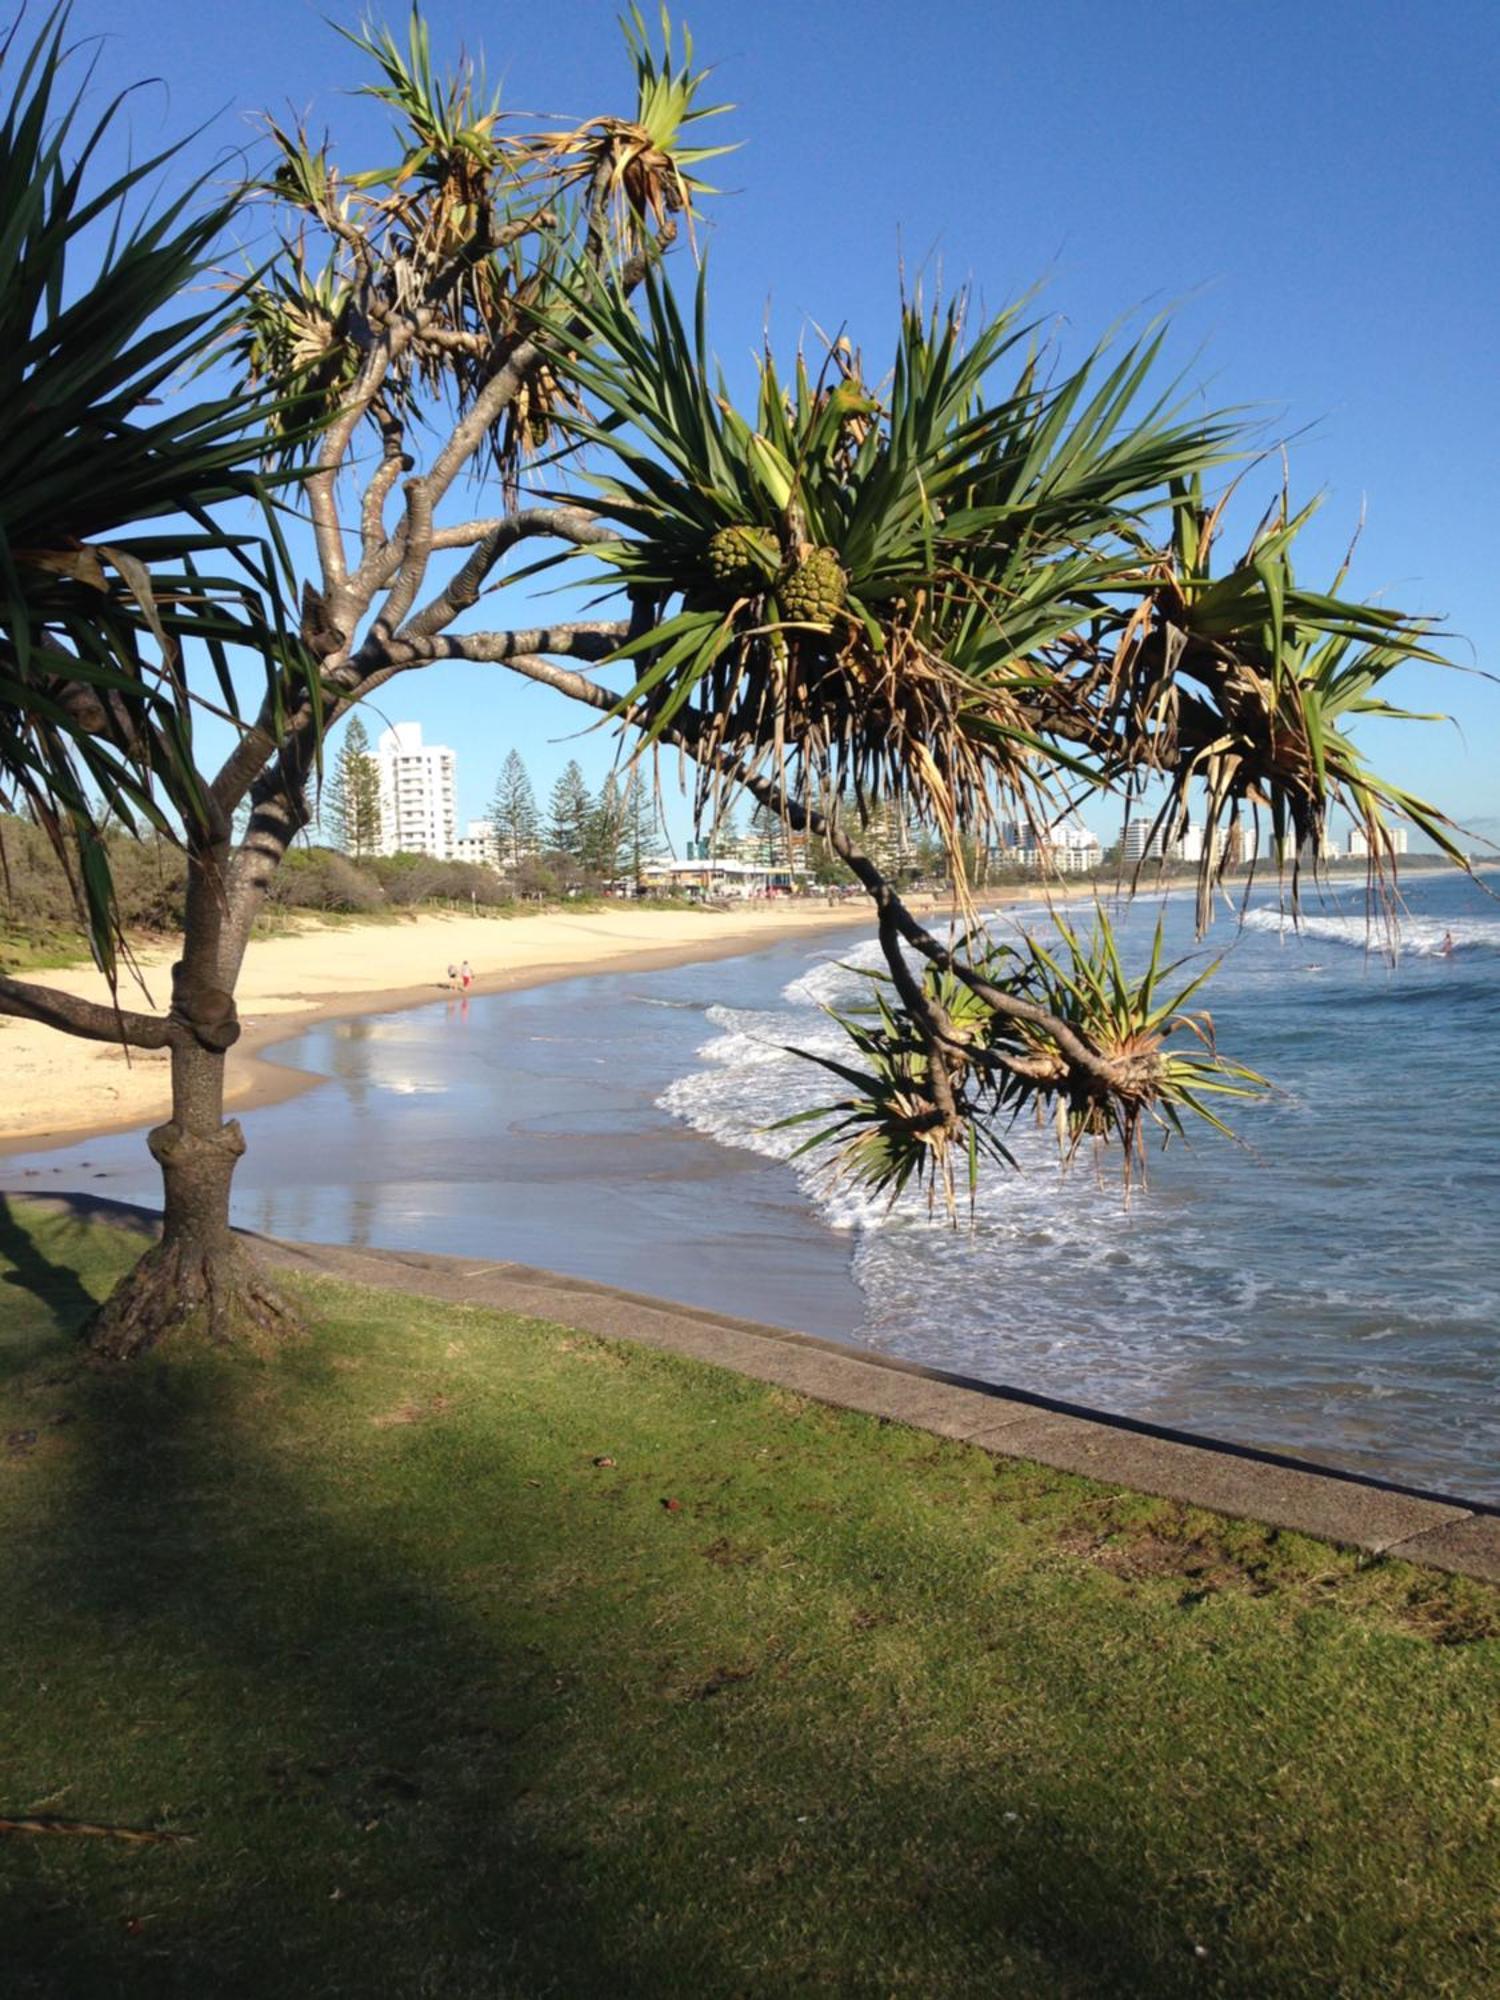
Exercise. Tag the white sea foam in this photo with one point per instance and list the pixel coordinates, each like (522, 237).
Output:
(1421, 937)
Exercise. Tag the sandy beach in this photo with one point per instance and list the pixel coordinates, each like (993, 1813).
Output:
(58, 1088)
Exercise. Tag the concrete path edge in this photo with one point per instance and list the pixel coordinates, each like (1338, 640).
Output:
(1379, 1517)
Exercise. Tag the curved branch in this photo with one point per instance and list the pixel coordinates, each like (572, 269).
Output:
(322, 500)
(569, 524)
(394, 460)
(87, 1019)
(416, 552)
(399, 656)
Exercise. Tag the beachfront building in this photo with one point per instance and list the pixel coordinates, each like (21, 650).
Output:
(480, 845)
(736, 881)
(1140, 841)
(1069, 849)
(417, 784)
(1065, 849)
(1313, 853)
(1188, 846)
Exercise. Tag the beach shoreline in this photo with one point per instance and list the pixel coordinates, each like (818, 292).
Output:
(62, 1089)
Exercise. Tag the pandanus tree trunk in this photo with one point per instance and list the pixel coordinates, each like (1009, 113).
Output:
(199, 1279)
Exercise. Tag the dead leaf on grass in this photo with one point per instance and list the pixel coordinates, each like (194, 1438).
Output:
(413, 1412)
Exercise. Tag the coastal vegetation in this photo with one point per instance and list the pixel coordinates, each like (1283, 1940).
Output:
(464, 1654)
(38, 923)
(974, 580)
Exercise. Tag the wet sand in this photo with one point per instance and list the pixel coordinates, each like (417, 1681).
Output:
(525, 1125)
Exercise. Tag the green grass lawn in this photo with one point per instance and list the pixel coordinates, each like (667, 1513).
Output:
(401, 1629)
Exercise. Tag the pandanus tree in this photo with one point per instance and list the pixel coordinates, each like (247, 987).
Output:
(115, 559)
(387, 356)
(976, 587)
(973, 584)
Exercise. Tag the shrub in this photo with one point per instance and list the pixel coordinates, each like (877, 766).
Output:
(320, 878)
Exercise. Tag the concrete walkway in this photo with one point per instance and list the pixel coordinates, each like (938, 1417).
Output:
(1384, 1519)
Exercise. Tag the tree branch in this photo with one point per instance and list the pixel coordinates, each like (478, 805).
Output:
(394, 460)
(416, 551)
(321, 486)
(83, 1017)
(398, 656)
(571, 524)
(1097, 1070)
(516, 370)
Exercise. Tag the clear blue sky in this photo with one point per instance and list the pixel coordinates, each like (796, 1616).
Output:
(1314, 189)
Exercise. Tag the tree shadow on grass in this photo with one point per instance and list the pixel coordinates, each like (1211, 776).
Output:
(52, 1281)
(249, 1656)
(341, 1741)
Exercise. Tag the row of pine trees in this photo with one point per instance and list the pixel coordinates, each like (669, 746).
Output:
(610, 834)
(604, 836)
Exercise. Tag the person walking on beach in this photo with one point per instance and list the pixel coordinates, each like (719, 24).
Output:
(466, 975)
(453, 975)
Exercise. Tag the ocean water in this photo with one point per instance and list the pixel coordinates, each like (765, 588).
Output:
(1330, 1285)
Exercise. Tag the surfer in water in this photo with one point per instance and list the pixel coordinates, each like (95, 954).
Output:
(1446, 947)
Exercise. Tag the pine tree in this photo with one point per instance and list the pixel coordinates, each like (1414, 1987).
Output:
(641, 827)
(724, 837)
(569, 813)
(767, 841)
(514, 815)
(604, 839)
(350, 807)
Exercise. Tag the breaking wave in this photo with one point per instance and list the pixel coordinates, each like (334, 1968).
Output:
(1414, 936)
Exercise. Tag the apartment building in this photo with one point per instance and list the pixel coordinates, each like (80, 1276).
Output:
(480, 845)
(417, 780)
(1140, 840)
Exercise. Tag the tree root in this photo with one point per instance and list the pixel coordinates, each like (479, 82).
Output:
(186, 1289)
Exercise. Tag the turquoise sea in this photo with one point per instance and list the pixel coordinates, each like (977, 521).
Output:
(1329, 1286)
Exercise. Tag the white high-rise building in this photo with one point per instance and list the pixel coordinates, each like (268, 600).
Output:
(1071, 849)
(1065, 849)
(1138, 842)
(1188, 846)
(1359, 842)
(416, 793)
